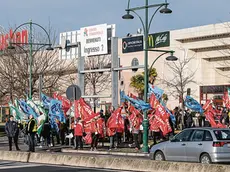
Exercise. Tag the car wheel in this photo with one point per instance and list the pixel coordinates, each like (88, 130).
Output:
(205, 159)
(159, 156)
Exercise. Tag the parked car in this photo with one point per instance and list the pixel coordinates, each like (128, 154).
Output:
(204, 145)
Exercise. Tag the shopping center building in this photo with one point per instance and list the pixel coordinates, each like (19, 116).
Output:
(207, 46)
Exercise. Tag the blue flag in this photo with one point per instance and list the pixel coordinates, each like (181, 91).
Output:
(137, 103)
(156, 91)
(193, 104)
(27, 109)
(55, 110)
(53, 124)
(46, 101)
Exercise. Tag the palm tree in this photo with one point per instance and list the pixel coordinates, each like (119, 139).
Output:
(137, 81)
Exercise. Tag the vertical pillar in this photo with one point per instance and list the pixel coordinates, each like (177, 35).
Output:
(114, 64)
(30, 60)
(81, 61)
(40, 87)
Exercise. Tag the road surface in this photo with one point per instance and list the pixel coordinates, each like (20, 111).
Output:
(9, 166)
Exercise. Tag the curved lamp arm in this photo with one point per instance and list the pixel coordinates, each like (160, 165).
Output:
(154, 15)
(27, 23)
(155, 61)
(142, 22)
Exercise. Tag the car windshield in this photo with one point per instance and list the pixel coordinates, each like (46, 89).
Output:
(222, 134)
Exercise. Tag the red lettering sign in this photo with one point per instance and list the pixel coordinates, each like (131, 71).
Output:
(18, 37)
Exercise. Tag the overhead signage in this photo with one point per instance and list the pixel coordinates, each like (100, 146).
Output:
(17, 37)
(132, 44)
(155, 40)
(158, 40)
(94, 40)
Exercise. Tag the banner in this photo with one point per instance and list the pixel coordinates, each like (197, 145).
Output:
(46, 100)
(77, 109)
(85, 110)
(210, 116)
(206, 105)
(116, 121)
(27, 109)
(193, 104)
(55, 110)
(137, 103)
(156, 91)
(162, 118)
(66, 104)
(153, 122)
(18, 115)
(154, 103)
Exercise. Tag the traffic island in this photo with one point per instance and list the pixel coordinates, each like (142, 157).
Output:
(110, 162)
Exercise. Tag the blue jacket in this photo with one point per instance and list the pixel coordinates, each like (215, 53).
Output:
(11, 128)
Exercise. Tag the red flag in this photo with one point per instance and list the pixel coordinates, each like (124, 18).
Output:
(207, 104)
(88, 138)
(66, 104)
(115, 120)
(160, 123)
(101, 126)
(137, 113)
(163, 118)
(77, 109)
(132, 96)
(86, 111)
(153, 101)
(153, 123)
(209, 116)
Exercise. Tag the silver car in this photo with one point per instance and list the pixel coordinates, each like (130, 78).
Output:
(204, 145)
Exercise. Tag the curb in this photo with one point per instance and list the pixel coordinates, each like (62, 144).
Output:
(110, 162)
(104, 152)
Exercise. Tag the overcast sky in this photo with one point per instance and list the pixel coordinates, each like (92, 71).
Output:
(68, 15)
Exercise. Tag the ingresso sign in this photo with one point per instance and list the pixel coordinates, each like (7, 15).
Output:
(94, 40)
(156, 40)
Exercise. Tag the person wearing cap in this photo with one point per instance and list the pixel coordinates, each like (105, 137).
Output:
(78, 133)
(11, 131)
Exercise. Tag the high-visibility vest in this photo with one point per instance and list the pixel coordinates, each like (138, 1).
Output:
(35, 125)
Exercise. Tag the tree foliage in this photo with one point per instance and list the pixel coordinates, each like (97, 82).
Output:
(98, 82)
(182, 76)
(137, 81)
(15, 68)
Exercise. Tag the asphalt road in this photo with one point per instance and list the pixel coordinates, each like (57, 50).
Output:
(9, 166)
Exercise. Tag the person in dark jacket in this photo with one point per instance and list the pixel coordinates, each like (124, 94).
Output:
(46, 131)
(31, 130)
(11, 129)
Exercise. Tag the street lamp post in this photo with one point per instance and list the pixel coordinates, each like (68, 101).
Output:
(30, 43)
(146, 26)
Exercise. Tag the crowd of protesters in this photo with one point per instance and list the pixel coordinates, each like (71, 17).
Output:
(73, 131)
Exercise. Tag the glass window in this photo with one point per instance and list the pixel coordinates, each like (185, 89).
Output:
(198, 135)
(182, 136)
(222, 134)
(207, 136)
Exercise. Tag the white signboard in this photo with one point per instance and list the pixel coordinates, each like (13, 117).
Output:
(94, 40)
